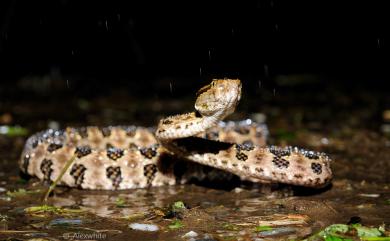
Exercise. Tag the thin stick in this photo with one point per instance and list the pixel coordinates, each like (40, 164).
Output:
(18, 231)
(54, 184)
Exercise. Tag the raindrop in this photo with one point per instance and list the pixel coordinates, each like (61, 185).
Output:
(72, 52)
(209, 54)
(200, 71)
(259, 83)
(232, 31)
(106, 24)
(379, 43)
(274, 91)
(258, 4)
(118, 17)
(170, 87)
(67, 83)
(266, 73)
(276, 27)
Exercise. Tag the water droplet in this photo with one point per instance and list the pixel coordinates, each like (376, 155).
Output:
(106, 24)
(259, 83)
(266, 73)
(209, 54)
(170, 87)
(200, 71)
(274, 91)
(67, 83)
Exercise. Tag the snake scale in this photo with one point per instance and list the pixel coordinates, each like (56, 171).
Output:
(181, 148)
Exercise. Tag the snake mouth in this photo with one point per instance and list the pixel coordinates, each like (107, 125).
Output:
(204, 89)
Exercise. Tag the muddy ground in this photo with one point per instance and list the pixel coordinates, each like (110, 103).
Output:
(351, 126)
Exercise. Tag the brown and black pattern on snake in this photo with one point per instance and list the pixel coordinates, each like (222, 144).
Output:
(130, 131)
(25, 163)
(316, 167)
(114, 153)
(77, 172)
(46, 169)
(279, 151)
(115, 175)
(240, 148)
(150, 173)
(106, 131)
(83, 132)
(280, 162)
(149, 152)
(53, 146)
(82, 151)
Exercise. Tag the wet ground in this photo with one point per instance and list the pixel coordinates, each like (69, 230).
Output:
(352, 127)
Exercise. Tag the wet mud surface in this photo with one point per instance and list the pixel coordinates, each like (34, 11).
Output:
(355, 138)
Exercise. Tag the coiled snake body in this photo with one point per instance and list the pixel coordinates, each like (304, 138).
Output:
(123, 157)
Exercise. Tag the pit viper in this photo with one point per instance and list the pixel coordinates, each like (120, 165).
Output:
(180, 148)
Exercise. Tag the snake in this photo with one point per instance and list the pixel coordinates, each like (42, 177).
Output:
(179, 149)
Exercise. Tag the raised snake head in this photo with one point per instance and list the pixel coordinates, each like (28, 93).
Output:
(221, 97)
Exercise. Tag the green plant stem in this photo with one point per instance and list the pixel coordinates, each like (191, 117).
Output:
(54, 184)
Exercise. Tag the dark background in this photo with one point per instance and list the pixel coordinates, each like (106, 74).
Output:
(95, 46)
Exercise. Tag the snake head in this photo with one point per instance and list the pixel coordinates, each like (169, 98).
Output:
(220, 96)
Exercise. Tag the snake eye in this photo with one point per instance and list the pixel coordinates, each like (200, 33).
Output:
(204, 89)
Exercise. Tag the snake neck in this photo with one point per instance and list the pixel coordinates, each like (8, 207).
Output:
(211, 121)
(186, 125)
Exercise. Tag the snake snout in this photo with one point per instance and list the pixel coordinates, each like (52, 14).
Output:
(221, 96)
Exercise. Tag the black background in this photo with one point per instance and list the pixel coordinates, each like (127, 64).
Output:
(119, 43)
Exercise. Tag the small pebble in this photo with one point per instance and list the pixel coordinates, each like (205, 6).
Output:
(65, 221)
(324, 141)
(277, 231)
(36, 235)
(190, 234)
(5, 199)
(374, 195)
(4, 130)
(144, 227)
(238, 190)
